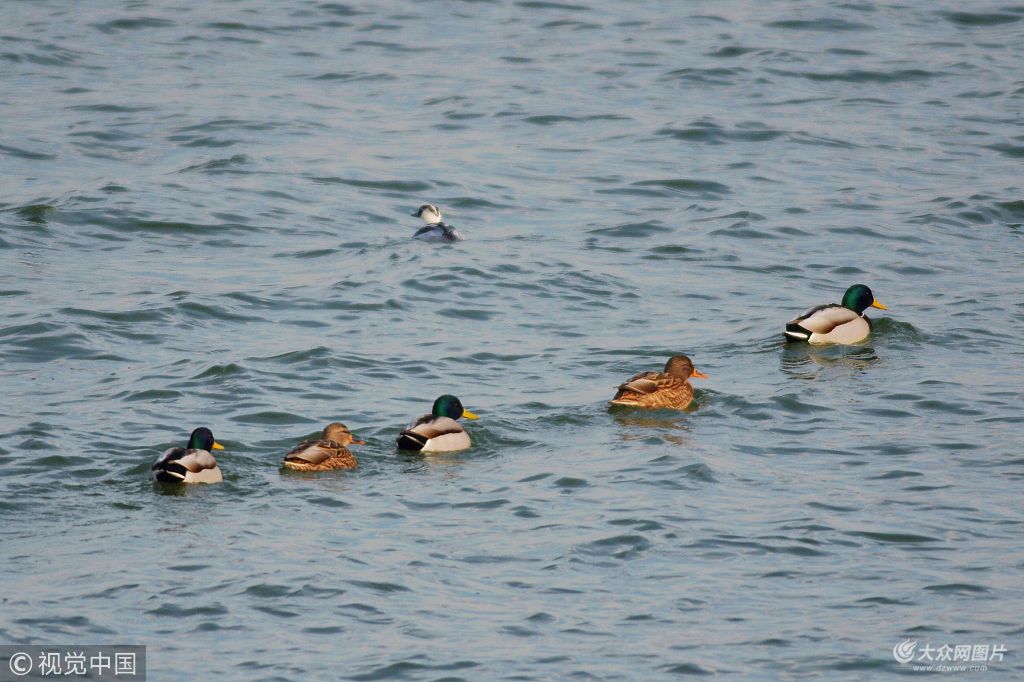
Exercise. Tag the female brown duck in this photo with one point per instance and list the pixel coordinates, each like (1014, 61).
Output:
(326, 453)
(669, 389)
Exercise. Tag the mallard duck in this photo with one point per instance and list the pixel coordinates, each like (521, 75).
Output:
(435, 230)
(326, 453)
(669, 389)
(192, 463)
(836, 322)
(438, 431)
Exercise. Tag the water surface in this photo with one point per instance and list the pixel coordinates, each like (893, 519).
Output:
(205, 221)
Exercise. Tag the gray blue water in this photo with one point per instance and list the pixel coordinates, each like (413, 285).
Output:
(204, 220)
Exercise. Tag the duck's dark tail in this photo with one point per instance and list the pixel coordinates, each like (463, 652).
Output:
(794, 332)
(410, 440)
(169, 472)
(169, 468)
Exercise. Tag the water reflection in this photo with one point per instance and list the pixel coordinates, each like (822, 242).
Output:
(639, 423)
(170, 489)
(798, 359)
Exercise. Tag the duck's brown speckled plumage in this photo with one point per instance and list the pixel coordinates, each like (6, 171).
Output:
(668, 389)
(326, 453)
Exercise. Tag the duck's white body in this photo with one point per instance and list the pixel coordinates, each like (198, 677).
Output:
(435, 230)
(831, 323)
(434, 434)
(183, 465)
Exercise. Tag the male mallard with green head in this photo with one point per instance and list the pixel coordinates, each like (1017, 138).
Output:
(669, 389)
(192, 463)
(836, 322)
(438, 431)
(326, 453)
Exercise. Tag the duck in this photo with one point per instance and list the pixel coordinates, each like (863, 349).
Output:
(193, 463)
(438, 431)
(843, 323)
(435, 230)
(326, 453)
(667, 389)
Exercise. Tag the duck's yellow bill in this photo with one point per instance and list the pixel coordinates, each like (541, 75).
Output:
(466, 414)
(699, 375)
(217, 446)
(877, 304)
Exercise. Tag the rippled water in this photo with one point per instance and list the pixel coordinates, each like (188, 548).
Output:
(204, 220)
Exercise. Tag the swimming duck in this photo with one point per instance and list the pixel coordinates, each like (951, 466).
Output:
(669, 389)
(438, 431)
(192, 463)
(836, 323)
(326, 453)
(435, 229)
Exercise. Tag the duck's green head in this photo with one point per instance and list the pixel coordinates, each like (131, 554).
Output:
(450, 406)
(202, 439)
(859, 298)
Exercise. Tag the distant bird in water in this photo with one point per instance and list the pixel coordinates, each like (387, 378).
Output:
(435, 230)
(326, 453)
(190, 464)
(836, 322)
(438, 431)
(668, 389)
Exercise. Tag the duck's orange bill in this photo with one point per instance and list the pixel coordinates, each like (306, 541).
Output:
(699, 375)
(217, 446)
(358, 442)
(880, 306)
(466, 414)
